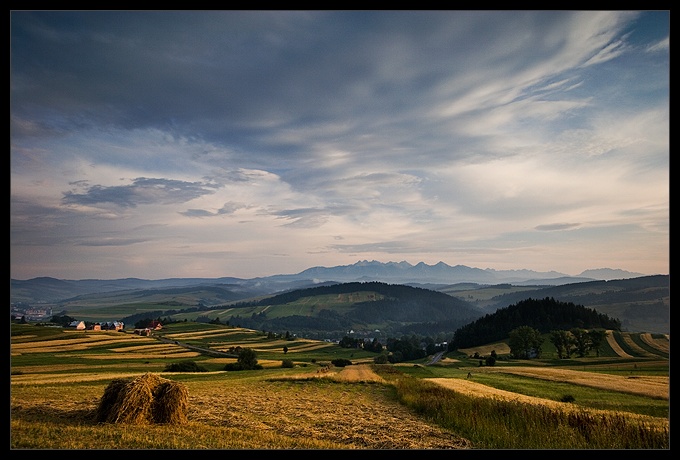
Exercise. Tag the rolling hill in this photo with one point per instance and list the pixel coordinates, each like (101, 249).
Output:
(642, 304)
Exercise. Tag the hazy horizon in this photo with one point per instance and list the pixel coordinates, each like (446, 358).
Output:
(359, 262)
(205, 144)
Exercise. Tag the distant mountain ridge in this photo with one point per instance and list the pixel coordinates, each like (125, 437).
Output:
(46, 289)
(404, 272)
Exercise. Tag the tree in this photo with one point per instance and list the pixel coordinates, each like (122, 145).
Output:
(597, 336)
(247, 359)
(581, 341)
(525, 342)
(285, 349)
(64, 320)
(374, 346)
(563, 341)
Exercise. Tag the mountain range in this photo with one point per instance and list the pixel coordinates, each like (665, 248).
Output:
(47, 289)
(404, 272)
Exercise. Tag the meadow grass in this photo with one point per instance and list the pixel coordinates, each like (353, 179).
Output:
(581, 396)
(492, 423)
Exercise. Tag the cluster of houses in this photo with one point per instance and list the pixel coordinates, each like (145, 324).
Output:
(107, 326)
(114, 326)
(153, 326)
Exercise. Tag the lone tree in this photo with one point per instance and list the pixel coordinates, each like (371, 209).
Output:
(247, 359)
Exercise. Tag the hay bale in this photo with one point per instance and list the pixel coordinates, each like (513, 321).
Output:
(109, 398)
(170, 403)
(144, 400)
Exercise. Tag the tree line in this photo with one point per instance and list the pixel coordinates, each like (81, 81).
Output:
(544, 315)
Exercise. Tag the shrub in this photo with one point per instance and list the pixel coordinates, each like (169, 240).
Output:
(287, 363)
(240, 367)
(380, 359)
(341, 362)
(567, 398)
(185, 366)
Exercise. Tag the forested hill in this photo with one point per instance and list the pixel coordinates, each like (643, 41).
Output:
(389, 291)
(392, 308)
(544, 315)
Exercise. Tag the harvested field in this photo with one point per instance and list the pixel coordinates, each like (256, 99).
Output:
(362, 417)
(355, 413)
(358, 373)
(663, 345)
(53, 368)
(635, 347)
(472, 388)
(145, 356)
(292, 348)
(475, 389)
(42, 379)
(202, 334)
(309, 347)
(76, 344)
(501, 348)
(653, 386)
(611, 340)
(149, 348)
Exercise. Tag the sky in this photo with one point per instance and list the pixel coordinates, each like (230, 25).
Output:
(164, 144)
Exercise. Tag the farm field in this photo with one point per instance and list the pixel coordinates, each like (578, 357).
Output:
(58, 378)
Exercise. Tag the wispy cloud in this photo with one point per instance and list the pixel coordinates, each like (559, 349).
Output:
(247, 143)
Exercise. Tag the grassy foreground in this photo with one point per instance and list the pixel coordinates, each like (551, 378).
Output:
(58, 379)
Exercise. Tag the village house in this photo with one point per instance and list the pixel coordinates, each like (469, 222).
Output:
(106, 326)
(112, 326)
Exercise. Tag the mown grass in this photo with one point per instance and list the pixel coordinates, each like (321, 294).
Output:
(75, 436)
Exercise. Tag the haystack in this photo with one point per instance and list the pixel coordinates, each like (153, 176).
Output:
(145, 400)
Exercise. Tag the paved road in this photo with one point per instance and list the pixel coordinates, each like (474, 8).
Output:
(436, 357)
(206, 351)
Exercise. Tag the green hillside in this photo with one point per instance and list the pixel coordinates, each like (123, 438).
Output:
(641, 304)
